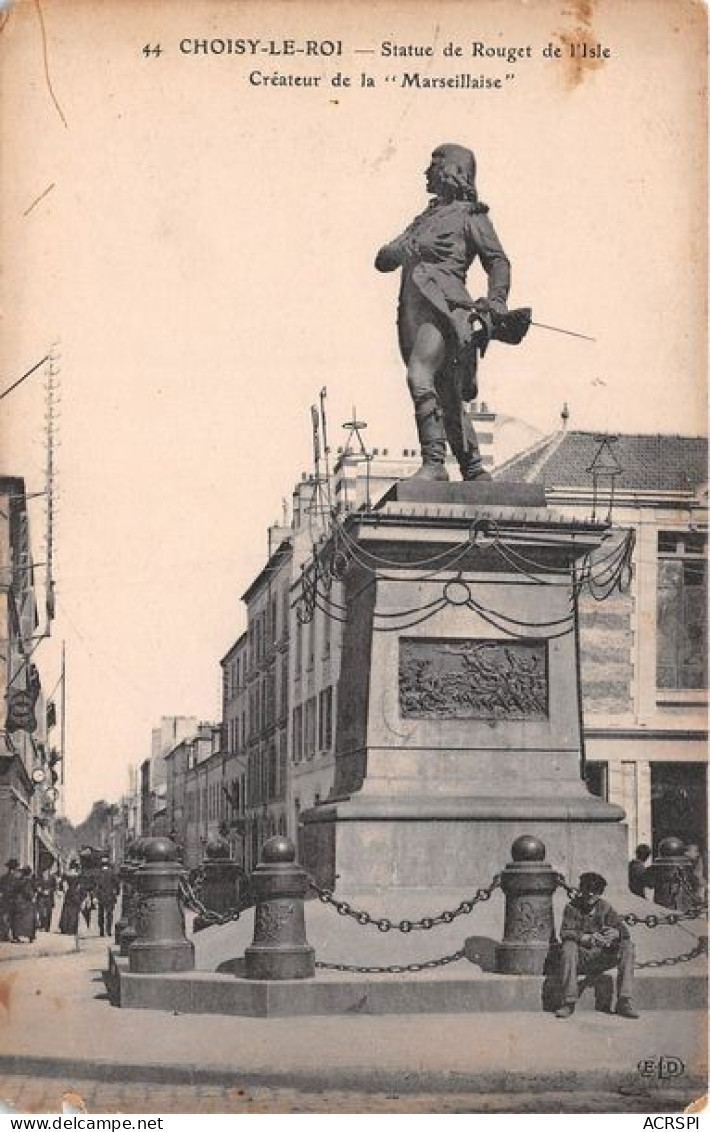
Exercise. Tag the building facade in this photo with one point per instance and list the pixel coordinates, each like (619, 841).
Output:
(235, 704)
(152, 773)
(262, 699)
(30, 781)
(204, 799)
(644, 652)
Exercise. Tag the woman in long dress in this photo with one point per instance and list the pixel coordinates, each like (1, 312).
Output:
(73, 900)
(24, 913)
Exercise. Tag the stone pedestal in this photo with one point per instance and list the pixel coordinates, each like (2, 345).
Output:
(458, 720)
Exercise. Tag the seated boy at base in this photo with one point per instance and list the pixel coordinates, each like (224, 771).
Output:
(595, 939)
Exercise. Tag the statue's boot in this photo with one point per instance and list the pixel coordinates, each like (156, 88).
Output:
(477, 472)
(463, 442)
(432, 438)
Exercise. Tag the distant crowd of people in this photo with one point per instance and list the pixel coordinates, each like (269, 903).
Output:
(28, 899)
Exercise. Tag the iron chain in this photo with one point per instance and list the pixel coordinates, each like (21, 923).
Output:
(395, 968)
(426, 923)
(192, 901)
(700, 948)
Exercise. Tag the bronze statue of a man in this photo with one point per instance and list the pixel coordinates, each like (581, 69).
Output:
(441, 329)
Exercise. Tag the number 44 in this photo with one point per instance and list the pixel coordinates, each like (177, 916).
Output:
(150, 50)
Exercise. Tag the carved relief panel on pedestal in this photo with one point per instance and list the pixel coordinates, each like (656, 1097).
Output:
(473, 679)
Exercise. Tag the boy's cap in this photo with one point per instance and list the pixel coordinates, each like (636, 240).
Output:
(592, 882)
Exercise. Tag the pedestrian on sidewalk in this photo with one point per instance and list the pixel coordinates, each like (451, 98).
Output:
(46, 891)
(595, 939)
(8, 885)
(640, 874)
(106, 893)
(24, 912)
(74, 896)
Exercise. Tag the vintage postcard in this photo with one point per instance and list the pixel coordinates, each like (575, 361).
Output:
(353, 557)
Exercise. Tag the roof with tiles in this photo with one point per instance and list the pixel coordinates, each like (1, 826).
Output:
(648, 462)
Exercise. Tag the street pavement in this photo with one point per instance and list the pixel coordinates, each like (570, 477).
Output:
(45, 945)
(59, 1032)
(48, 1095)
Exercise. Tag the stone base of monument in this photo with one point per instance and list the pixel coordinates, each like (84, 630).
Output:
(458, 724)
(202, 992)
(368, 843)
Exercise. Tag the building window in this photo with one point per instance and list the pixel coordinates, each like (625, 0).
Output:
(681, 644)
(327, 631)
(226, 690)
(297, 739)
(265, 761)
(325, 719)
(299, 646)
(271, 695)
(273, 773)
(282, 765)
(286, 611)
(679, 802)
(309, 728)
(284, 686)
(257, 708)
(273, 634)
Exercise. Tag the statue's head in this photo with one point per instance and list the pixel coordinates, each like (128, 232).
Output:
(452, 173)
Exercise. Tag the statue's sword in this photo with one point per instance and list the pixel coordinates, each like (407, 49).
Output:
(559, 330)
(512, 327)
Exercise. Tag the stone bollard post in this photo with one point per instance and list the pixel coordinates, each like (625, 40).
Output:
(671, 868)
(279, 949)
(160, 943)
(528, 884)
(220, 885)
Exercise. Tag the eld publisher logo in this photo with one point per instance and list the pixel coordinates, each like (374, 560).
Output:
(661, 1067)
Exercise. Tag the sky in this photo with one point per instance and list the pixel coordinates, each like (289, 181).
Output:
(202, 250)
